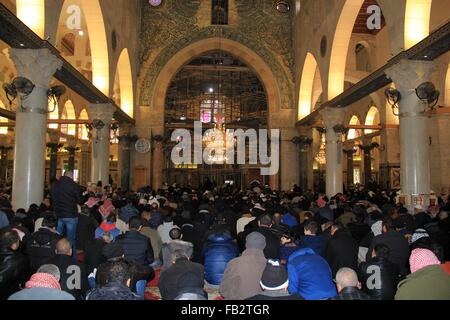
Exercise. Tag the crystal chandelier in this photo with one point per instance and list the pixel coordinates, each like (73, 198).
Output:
(321, 156)
(216, 139)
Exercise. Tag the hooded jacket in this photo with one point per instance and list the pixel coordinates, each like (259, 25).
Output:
(218, 251)
(310, 276)
(243, 274)
(112, 291)
(40, 247)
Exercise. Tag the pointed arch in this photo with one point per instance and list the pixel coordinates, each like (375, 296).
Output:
(354, 133)
(306, 86)
(125, 79)
(417, 21)
(372, 119)
(83, 133)
(69, 114)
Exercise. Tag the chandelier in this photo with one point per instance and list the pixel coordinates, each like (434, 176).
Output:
(321, 157)
(216, 140)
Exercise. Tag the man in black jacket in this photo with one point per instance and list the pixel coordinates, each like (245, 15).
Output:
(272, 249)
(66, 196)
(136, 246)
(379, 275)
(397, 244)
(73, 276)
(341, 250)
(41, 245)
(168, 280)
(13, 264)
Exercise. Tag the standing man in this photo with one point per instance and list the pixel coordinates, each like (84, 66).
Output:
(66, 196)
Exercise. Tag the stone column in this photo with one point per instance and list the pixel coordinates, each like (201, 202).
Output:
(85, 163)
(333, 119)
(414, 137)
(349, 150)
(72, 148)
(157, 161)
(303, 143)
(367, 146)
(125, 142)
(101, 115)
(53, 147)
(38, 66)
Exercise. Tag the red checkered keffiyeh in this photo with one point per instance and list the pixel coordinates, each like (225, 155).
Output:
(43, 280)
(421, 258)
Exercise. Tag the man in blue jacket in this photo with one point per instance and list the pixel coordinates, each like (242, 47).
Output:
(311, 240)
(310, 276)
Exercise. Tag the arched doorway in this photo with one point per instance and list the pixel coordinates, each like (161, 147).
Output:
(221, 92)
(245, 55)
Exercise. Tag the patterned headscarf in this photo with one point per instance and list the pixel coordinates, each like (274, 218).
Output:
(418, 234)
(421, 258)
(43, 280)
(106, 208)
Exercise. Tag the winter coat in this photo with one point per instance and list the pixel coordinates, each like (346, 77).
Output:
(128, 212)
(313, 242)
(218, 251)
(85, 230)
(170, 247)
(68, 269)
(41, 294)
(13, 272)
(342, 251)
(40, 247)
(398, 249)
(137, 247)
(382, 287)
(155, 239)
(429, 283)
(272, 249)
(66, 194)
(112, 291)
(168, 280)
(242, 275)
(164, 229)
(310, 275)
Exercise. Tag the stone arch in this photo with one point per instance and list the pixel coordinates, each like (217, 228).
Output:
(68, 113)
(82, 130)
(124, 77)
(354, 133)
(305, 103)
(362, 56)
(372, 118)
(246, 55)
(447, 88)
(98, 41)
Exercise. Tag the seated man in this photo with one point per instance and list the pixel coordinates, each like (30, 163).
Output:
(274, 283)
(43, 285)
(168, 280)
(117, 282)
(136, 246)
(70, 270)
(243, 274)
(13, 264)
(41, 245)
(311, 240)
(310, 275)
(379, 275)
(173, 245)
(348, 286)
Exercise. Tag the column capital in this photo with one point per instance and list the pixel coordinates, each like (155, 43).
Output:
(332, 117)
(409, 74)
(37, 65)
(71, 142)
(349, 147)
(102, 111)
(54, 136)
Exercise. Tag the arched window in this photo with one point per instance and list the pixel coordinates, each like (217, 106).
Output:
(354, 133)
(219, 12)
(82, 130)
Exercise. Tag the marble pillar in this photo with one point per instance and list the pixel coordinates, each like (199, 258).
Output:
(38, 66)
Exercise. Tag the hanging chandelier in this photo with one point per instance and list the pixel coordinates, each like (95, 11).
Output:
(216, 140)
(321, 157)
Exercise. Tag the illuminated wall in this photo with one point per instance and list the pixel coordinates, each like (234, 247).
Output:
(126, 83)
(306, 86)
(373, 118)
(340, 47)
(417, 21)
(32, 13)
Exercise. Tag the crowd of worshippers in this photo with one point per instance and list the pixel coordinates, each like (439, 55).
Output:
(255, 244)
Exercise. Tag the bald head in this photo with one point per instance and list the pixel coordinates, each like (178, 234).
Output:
(64, 247)
(346, 277)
